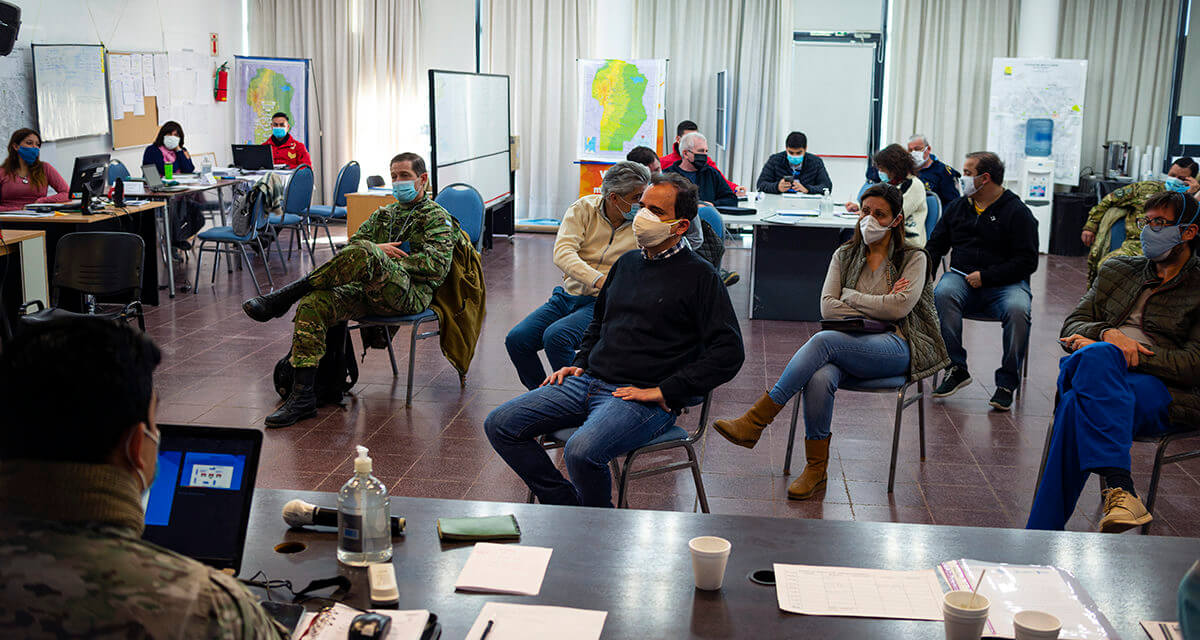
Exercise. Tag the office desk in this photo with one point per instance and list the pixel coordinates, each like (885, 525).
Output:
(360, 206)
(789, 261)
(23, 269)
(636, 566)
(130, 219)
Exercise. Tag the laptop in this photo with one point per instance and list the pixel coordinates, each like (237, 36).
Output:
(199, 504)
(154, 182)
(252, 157)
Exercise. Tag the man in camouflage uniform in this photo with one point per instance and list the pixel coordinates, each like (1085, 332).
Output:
(372, 275)
(74, 462)
(1128, 203)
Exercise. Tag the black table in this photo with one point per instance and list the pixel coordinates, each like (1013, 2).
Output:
(636, 566)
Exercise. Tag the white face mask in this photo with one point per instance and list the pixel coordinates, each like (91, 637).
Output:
(171, 142)
(967, 184)
(651, 231)
(872, 231)
(141, 476)
(918, 157)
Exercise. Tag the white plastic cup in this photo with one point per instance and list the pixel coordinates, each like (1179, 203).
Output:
(1036, 625)
(963, 616)
(710, 554)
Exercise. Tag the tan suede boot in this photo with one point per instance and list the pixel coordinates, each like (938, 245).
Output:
(812, 479)
(746, 430)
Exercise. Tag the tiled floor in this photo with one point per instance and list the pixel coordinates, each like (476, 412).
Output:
(980, 467)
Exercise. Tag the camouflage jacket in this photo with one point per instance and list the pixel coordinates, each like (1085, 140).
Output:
(73, 565)
(425, 226)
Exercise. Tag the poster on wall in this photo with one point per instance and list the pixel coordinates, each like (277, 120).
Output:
(265, 86)
(1024, 88)
(621, 106)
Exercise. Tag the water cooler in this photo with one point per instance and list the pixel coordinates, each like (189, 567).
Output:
(1035, 184)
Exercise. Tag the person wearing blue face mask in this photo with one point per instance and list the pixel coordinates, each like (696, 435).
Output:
(594, 232)
(1134, 345)
(25, 177)
(794, 170)
(286, 150)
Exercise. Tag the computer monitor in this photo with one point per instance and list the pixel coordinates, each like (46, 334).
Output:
(89, 171)
(199, 503)
(252, 157)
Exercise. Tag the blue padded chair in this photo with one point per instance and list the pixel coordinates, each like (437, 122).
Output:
(225, 235)
(466, 205)
(863, 189)
(321, 214)
(674, 437)
(714, 220)
(934, 205)
(297, 200)
(116, 169)
(1116, 235)
(898, 385)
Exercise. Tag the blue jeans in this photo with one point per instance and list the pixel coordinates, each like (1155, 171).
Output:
(557, 327)
(608, 427)
(826, 360)
(1009, 304)
(1102, 405)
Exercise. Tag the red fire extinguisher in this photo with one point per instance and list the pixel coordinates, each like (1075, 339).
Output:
(221, 89)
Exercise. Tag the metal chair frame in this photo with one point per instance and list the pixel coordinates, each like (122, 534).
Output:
(315, 220)
(260, 223)
(415, 320)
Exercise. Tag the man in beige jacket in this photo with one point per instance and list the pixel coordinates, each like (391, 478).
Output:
(595, 231)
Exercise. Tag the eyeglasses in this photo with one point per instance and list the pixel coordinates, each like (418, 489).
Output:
(1158, 224)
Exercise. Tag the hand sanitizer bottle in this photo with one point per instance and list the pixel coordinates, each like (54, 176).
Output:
(363, 511)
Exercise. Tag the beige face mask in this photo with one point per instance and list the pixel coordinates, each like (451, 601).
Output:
(651, 231)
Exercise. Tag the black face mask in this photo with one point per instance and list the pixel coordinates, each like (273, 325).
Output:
(699, 159)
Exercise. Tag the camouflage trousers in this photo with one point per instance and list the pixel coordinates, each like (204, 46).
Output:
(360, 280)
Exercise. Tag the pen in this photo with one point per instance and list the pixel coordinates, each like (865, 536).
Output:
(487, 629)
(958, 272)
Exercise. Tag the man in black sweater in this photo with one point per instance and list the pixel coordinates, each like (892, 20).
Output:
(693, 165)
(995, 243)
(794, 170)
(662, 336)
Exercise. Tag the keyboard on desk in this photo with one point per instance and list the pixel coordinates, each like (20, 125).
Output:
(54, 206)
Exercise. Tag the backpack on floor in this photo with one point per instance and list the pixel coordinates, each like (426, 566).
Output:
(337, 372)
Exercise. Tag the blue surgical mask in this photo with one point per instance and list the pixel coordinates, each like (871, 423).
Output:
(1176, 185)
(28, 154)
(279, 132)
(405, 190)
(633, 211)
(796, 160)
(883, 176)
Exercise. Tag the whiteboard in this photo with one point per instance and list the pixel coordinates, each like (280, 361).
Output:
(72, 99)
(1024, 88)
(16, 92)
(834, 113)
(469, 129)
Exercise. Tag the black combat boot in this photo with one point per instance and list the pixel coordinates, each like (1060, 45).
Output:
(301, 403)
(276, 303)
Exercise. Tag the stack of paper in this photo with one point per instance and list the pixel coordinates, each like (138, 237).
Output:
(504, 568)
(531, 622)
(864, 593)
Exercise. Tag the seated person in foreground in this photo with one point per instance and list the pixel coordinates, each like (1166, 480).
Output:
(285, 149)
(663, 335)
(940, 179)
(681, 130)
(595, 231)
(1124, 206)
(710, 184)
(645, 156)
(875, 275)
(168, 148)
(995, 242)
(895, 167)
(75, 463)
(25, 178)
(794, 170)
(1134, 341)
(372, 275)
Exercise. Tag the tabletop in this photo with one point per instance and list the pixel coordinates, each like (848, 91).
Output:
(768, 205)
(13, 236)
(102, 213)
(635, 565)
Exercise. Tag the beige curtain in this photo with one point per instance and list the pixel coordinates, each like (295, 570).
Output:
(940, 70)
(536, 43)
(748, 38)
(366, 63)
(1130, 49)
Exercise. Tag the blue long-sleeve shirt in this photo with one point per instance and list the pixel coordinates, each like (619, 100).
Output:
(153, 155)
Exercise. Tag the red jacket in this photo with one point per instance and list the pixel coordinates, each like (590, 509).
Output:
(674, 158)
(290, 152)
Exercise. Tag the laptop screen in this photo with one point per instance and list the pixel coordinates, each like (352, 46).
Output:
(200, 501)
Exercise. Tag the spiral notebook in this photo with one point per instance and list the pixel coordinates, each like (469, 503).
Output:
(334, 623)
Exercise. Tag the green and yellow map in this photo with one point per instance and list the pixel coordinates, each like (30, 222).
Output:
(620, 106)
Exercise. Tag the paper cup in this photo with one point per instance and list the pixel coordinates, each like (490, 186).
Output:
(1035, 625)
(709, 556)
(963, 616)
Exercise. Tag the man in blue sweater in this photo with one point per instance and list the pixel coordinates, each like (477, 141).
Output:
(663, 335)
